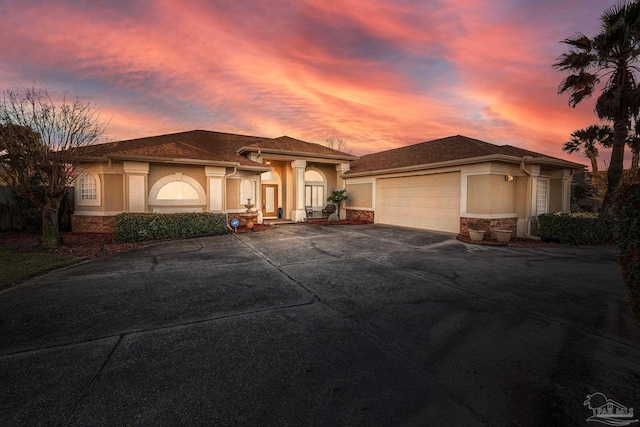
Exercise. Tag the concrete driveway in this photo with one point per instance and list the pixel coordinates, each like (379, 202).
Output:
(317, 325)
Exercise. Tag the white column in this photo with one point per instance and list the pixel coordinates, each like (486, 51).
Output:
(566, 191)
(533, 201)
(341, 169)
(298, 213)
(136, 185)
(215, 188)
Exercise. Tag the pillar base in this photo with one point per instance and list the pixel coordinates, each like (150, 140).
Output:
(298, 215)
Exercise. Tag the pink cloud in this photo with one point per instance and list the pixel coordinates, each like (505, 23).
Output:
(377, 74)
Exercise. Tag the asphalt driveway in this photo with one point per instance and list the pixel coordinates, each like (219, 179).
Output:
(317, 325)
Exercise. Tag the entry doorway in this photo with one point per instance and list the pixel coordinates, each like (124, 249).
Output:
(269, 200)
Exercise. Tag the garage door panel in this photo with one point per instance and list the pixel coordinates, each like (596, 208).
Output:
(431, 202)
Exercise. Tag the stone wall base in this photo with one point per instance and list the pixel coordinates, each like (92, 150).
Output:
(93, 224)
(243, 220)
(488, 225)
(357, 215)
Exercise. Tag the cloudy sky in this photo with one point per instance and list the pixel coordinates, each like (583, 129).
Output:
(378, 74)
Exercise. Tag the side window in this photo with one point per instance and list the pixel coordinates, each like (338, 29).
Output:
(542, 196)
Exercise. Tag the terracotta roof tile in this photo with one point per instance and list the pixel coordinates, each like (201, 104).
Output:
(440, 150)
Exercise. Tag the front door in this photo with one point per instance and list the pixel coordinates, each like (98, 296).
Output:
(269, 200)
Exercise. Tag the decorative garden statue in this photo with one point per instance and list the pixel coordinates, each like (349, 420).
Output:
(337, 197)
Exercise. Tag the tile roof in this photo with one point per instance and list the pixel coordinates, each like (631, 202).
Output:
(440, 150)
(203, 145)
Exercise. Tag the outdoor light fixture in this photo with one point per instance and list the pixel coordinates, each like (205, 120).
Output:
(508, 178)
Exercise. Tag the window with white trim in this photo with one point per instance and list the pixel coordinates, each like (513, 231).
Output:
(88, 187)
(542, 196)
(314, 190)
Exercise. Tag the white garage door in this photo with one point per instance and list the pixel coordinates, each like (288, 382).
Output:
(431, 202)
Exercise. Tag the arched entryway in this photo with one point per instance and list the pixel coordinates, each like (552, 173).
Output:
(315, 186)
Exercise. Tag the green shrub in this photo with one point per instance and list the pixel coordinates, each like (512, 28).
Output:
(576, 228)
(627, 233)
(135, 227)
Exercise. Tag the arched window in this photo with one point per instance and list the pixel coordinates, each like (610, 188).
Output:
(88, 189)
(177, 190)
(315, 190)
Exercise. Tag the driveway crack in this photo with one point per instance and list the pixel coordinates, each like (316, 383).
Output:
(93, 380)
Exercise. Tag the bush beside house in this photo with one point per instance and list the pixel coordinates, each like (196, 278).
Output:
(135, 227)
(576, 228)
(627, 235)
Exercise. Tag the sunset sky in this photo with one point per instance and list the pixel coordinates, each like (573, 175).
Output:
(378, 74)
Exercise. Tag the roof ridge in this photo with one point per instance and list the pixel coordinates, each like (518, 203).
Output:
(421, 143)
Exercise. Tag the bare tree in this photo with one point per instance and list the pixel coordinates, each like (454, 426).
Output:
(39, 142)
(338, 144)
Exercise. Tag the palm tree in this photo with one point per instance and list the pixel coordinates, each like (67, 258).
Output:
(588, 139)
(337, 197)
(610, 55)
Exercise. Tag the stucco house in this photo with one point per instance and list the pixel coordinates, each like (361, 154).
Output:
(203, 171)
(439, 185)
(450, 183)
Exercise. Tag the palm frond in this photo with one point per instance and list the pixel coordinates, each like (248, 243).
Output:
(579, 41)
(575, 61)
(579, 85)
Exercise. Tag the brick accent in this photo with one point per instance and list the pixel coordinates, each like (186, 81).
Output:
(357, 215)
(93, 224)
(488, 224)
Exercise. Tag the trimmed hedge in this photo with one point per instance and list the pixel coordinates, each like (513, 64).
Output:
(576, 228)
(627, 231)
(135, 227)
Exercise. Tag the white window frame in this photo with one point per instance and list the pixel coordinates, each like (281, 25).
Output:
(313, 187)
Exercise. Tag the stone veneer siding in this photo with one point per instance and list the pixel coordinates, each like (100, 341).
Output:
(243, 221)
(357, 215)
(93, 224)
(489, 224)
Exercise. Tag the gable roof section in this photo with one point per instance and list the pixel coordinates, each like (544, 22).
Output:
(286, 144)
(454, 149)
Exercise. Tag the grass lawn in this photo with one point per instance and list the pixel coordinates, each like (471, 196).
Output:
(16, 266)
